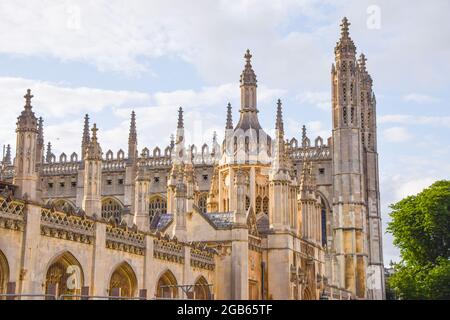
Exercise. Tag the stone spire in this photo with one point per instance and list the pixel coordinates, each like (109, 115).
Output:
(48, 156)
(7, 156)
(94, 151)
(40, 139)
(279, 162)
(345, 47)
(180, 119)
(304, 136)
(86, 136)
(248, 76)
(229, 124)
(40, 142)
(279, 122)
(132, 138)
(26, 175)
(27, 120)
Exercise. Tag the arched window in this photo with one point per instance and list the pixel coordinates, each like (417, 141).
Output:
(157, 205)
(167, 286)
(111, 208)
(258, 204)
(201, 289)
(266, 205)
(64, 276)
(123, 282)
(63, 206)
(247, 202)
(4, 273)
(324, 225)
(203, 202)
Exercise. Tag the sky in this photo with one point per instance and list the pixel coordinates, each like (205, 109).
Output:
(109, 57)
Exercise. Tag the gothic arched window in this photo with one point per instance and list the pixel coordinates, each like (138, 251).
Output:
(111, 208)
(157, 205)
(258, 204)
(266, 205)
(203, 203)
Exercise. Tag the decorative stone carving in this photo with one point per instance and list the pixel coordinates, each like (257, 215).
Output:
(11, 214)
(126, 240)
(67, 227)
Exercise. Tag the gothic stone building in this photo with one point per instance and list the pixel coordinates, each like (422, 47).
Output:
(254, 217)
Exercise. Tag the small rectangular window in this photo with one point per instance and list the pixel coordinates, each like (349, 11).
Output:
(120, 181)
(62, 184)
(322, 170)
(205, 177)
(109, 182)
(74, 184)
(156, 179)
(50, 185)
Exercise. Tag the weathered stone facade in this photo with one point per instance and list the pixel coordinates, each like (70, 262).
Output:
(255, 217)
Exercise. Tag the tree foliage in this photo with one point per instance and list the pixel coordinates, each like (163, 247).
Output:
(421, 229)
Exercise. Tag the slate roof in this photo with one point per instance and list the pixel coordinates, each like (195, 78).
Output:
(161, 221)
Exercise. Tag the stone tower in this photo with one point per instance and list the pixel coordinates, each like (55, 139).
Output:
(355, 173)
(25, 166)
(92, 202)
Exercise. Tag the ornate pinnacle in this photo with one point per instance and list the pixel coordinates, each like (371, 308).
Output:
(304, 133)
(229, 124)
(48, 157)
(362, 62)
(345, 28)
(279, 122)
(172, 141)
(180, 118)
(7, 157)
(133, 132)
(248, 76)
(94, 132)
(41, 130)
(28, 98)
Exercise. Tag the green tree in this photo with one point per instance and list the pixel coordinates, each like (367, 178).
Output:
(421, 229)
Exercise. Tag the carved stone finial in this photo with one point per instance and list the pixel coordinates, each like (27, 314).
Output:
(229, 124)
(180, 118)
(279, 121)
(345, 28)
(28, 98)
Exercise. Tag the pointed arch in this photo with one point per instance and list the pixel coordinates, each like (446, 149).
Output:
(201, 289)
(307, 295)
(112, 208)
(64, 275)
(63, 205)
(166, 286)
(156, 152)
(63, 158)
(74, 157)
(157, 204)
(123, 281)
(4, 272)
(203, 202)
(109, 155)
(120, 154)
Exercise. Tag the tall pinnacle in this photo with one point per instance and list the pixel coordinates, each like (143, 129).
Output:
(94, 151)
(229, 124)
(248, 76)
(48, 157)
(41, 131)
(279, 122)
(86, 136)
(180, 118)
(345, 47)
(345, 28)
(7, 156)
(362, 62)
(27, 120)
(304, 133)
(28, 98)
(94, 133)
(133, 131)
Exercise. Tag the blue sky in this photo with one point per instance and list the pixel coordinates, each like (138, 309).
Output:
(107, 58)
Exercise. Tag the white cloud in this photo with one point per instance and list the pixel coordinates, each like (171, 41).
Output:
(440, 121)
(321, 100)
(420, 98)
(396, 134)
